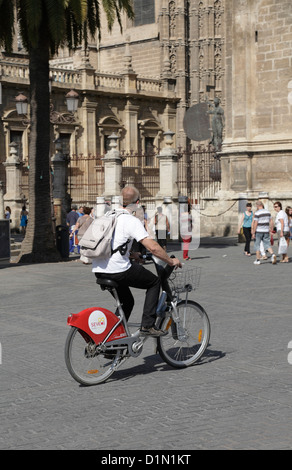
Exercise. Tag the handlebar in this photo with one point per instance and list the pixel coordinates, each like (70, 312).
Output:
(163, 272)
(161, 266)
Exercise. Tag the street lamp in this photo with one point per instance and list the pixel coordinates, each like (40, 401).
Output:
(72, 101)
(21, 104)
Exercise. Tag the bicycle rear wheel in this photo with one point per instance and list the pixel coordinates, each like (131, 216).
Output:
(86, 364)
(184, 345)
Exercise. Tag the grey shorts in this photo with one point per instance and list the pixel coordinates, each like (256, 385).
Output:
(262, 237)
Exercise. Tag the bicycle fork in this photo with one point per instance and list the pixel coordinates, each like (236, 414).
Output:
(177, 322)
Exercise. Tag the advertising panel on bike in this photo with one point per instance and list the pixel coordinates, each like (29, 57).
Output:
(97, 323)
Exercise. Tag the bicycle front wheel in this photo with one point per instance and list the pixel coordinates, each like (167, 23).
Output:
(187, 340)
(86, 364)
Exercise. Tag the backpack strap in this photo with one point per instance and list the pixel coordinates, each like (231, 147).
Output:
(122, 248)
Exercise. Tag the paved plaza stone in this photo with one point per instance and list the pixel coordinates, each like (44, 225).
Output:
(237, 397)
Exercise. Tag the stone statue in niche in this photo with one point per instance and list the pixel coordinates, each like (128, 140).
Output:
(218, 122)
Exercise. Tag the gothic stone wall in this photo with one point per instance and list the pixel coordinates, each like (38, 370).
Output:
(257, 150)
(258, 83)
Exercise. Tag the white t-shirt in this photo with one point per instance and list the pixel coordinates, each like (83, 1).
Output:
(128, 227)
(282, 215)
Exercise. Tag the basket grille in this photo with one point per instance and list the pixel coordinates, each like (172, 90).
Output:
(185, 280)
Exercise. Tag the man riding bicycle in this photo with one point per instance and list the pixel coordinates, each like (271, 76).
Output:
(119, 268)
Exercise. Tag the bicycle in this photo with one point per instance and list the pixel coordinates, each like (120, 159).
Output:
(99, 341)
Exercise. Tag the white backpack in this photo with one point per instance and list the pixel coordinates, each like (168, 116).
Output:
(97, 240)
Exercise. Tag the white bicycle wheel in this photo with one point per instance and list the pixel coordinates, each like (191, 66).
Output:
(184, 345)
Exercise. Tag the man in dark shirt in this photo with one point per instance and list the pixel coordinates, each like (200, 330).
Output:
(71, 220)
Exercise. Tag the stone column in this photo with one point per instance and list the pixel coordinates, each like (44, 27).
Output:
(87, 115)
(131, 124)
(116, 202)
(100, 207)
(112, 170)
(168, 170)
(2, 211)
(242, 201)
(168, 188)
(13, 198)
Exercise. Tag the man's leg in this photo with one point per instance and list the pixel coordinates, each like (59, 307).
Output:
(258, 239)
(139, 277)
(267, 246)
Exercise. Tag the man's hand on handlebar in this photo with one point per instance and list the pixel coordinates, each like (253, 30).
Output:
(156, 250)
(176, 263)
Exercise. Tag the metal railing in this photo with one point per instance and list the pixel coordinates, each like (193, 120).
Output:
(199, 175)
(142, 171)
(85, 178)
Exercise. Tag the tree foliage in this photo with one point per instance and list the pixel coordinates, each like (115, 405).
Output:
(46, 26)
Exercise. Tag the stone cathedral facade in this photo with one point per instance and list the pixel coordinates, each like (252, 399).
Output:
(174, 55)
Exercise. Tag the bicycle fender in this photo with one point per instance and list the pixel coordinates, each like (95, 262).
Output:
(97, 323)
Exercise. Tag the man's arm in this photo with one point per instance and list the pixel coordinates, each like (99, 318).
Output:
(156, 250)
(254, 227)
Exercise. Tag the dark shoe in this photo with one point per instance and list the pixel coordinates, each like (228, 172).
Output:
(153, 331)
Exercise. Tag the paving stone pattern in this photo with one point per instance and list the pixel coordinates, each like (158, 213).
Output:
(238, 397)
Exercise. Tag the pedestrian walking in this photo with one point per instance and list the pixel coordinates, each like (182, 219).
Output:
(186, 230)
(289, 214)
(71, 220)
(246, 223)
(80, 227)
(23, 219)
(162, 227)
(7, 213)
(283, 231)
(261, 227)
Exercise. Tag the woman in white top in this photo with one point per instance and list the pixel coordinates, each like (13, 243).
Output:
(282, 225)
(289, 215)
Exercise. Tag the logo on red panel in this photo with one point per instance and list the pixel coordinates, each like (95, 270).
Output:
(97, 322)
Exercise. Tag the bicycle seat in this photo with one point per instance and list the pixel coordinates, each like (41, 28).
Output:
(107, 283)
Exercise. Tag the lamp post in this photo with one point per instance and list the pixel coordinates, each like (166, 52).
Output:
(58, 162)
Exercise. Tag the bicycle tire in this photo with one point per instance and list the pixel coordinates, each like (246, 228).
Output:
(178, 351)
(86, 367)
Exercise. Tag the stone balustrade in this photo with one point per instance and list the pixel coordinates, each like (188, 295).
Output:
(106, 80)
(18, 71)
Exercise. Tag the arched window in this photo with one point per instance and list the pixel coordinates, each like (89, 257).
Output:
(144, 12)
(107, 126)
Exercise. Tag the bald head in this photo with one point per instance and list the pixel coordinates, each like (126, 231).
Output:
(129, 195)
